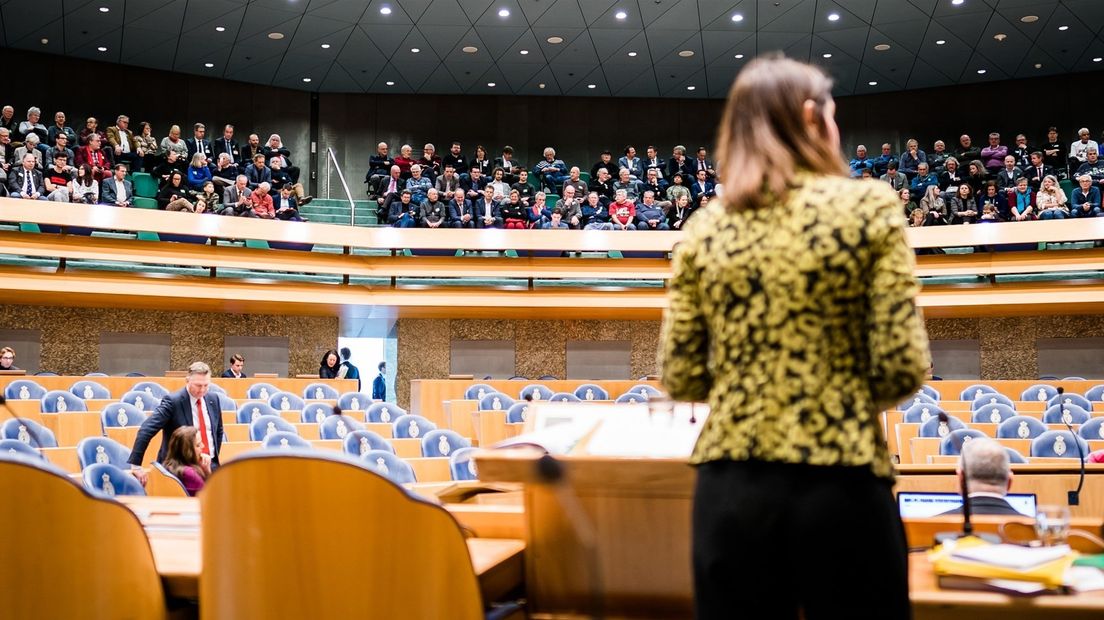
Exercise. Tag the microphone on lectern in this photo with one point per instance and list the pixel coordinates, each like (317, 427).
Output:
(1073, 498)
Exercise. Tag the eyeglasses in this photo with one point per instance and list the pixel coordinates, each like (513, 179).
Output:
(7, 357)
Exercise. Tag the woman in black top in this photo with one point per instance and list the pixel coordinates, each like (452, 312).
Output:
(328, 367)
(174, 195)
(481, 161)
(677, 214)
(976, 175)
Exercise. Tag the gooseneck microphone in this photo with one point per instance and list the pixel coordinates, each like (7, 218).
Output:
(1073, 498)
(967, 525)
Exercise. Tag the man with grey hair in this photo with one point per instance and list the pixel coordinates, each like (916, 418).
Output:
(988, 477)
(188, 406)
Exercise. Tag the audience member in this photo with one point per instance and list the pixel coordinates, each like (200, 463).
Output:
(57, 180)
(257, 172)
(551, 171)
(570, 207)
(433, 213)
(1021, 202)
(963, 204)
(7, 358)
(402, 213)
(633, 188)
(1009, 175)
(33, 126)
(679, 164)
(225, 171)
(575, 180)
(908, 205)
(652, 161)
(261, 202)
(182, 459)
(61, 147)
(1037, 171)
(118, 190)
(281, 179)
(91, 127)
(994, 203)
(487, 212)
(1078, 151)
(1022, 152)
(934, 206)
(513, 211)
(1085, 201)
(174, 195)
(1050, 202)
(449, 181)
(951, 177)
(418, 184)
(650, 215)
(59, 128)
(461, 214)
(172, 142)
(860, 162)
(605, 161)
(235, 199)
(896, 179)
(882, 162)
(631, 163)
(911, 159)
(595, 214)
(171, 164)
(481, 161)
(555, 220)
(207, 199)
(30, 147)
(121, 140)
(923, 180)
(937, 159)
(227, 145)
(703, 163)
(967, 152)
(680, 210)
(275, 148)
(1093, 167)
(7, 119)
(456, 159)
(1054, 153)
(236, 369)
(379, 166)
(199, 143)
(524, 189)
(430, 163)
(85, 186)
(976, 175)
(508, 165)
(623, 211)
(198, 171)
(988, 478)
(26, 181)
(94, 157)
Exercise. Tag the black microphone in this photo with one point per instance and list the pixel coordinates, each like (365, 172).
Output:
(1073, 498)
(967, 526)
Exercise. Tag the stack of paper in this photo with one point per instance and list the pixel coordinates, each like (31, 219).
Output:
(974, 564)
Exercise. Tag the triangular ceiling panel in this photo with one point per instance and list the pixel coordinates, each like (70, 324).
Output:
(387, 38)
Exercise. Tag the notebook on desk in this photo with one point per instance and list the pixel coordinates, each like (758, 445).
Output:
(920, 505)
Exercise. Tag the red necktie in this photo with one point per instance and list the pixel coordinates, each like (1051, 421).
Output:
(202, 427)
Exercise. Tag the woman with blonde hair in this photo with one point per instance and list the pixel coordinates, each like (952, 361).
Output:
(792, 313)
(934, 207)
(183, 461)
(1050, 202)
(172, 142)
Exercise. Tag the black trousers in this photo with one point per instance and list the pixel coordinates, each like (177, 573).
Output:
(775, 540)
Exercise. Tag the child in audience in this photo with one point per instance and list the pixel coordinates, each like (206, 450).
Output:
(182, 459)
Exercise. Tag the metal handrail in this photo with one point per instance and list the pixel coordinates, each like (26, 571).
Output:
(348, 194)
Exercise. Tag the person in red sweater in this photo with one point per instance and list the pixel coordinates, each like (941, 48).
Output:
(262, 202)
(622, 211)
(405, 160)
(93, 155)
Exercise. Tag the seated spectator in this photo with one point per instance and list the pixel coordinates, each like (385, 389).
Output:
(680, 210)
(992, 156)
(91, 126)
(882, 162)
(199, 143)
(7, 119)
(198, 172)
(260, 200)
(1037, 171)
(379, 167)
(509, 165)
(595, 214)
(498, 182)
(235, 199)
(164, 170)
(7, 356)
(475, 183)
(652, 183)
(418, 184)
(85, 186)
(257, 172)
(1022, 152)
(937, 159)
(923, 180)
(702, 187)
(120, 140)
(1050, 202)
(860, 162)
(1008, 175)
(461, 214)
(33, 126)
(650, 215)
(677, 188)
(623, 211)
(977, 176)
(449, 181)
(7, 154)
(57, 179)
(26, 181)
(30, 147)
(603, 184)
(174, 195)
(1093, 167)
(1021, 202)
(522, 186)
(536, 210)
(118, 190)
(433, 212)
(633, 188)
(482, 162)
(552, 172)
(287, 206)
(430, 163)
(183, 459)
(995, 202)
(605, 160)
(250, 150)
(574, 178)
(391, 185)
(486, 208)
(987, 480)
(963, 204)
(150, 149)
(1054, 154)
(570, 205)
(207, 199)
(275, 148)
(59, 128)
(916, 220)
(172, 142)
(61, 147)
(1078, 151)
(403, 213)
(911, 159)
(227, 145)
(652, 161)
(702, 162)
(513, 211)
(678, 163)
(950, 178)
(896, 179)
(907, 203)
(631, 163)
(934, 205)
(1085, 201)
(225, 172)
(555, 221)
(282, 178)
(456, 159)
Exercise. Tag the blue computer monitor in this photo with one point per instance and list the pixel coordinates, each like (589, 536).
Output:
(913, 504)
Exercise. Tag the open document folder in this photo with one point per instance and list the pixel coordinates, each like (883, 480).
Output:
(639, 430)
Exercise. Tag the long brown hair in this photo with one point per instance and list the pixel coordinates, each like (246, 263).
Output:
(181, 452)
(763, 138)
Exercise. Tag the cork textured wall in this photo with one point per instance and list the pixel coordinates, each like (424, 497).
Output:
(71, 336)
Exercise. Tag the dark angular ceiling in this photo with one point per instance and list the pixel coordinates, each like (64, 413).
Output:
(633, 48)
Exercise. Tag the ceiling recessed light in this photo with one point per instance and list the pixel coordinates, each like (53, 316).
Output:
(491, 84)
(981, 71)
(541, 85)
(414, 50)
(872, 83)
(620, 15)
(1063, 28)
(592, 86)
(390, 83)
(940, 42)
(325, 46)
(102, 48)
(555, 40)
(524, 52)
(45, 41)
(881, 47)
(209, 65)
(827, 55)
(691, 87)
(833, 17)
(957, 2)
(1029, 19)
(385, 10)
(739, 56)
(632, 54)
(275, 36)
(737, 17)
(470, 49)
(220, 28)
(104, 9)
(1038, 65)
(1097, 59)
(1000, 36)
(686, 53)
(306, 79)
(504, 12)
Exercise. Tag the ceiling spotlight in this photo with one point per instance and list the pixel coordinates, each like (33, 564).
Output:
(632, 54)
(1038, 65)
(872, 83)
(827, 55)
(940, 42)
(686, 53)
(524, 52)
(541, 85)
(957, 2)
(592, 86)
(306, 79)
(386, 10)
(833, 17)
(504, 12)
(209, 65)
(881, 47)
(737, 17)
(491, 84)
(102, 48)
(691, 87)
(1063, 28)
(275, 36)
(739, 56)
(45, 41)
(325, 46)
(1000, 36)
(389, 83)
(981, 71)
(1097, 59)
(555, 40)
(104, 9)
(1029, 19)
(470, 49)
(620, 15)
(414, 50)
(220, 28)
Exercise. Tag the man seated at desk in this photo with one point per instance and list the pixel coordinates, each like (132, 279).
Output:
(988, 478)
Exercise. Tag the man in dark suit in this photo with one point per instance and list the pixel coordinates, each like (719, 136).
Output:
(236, 369)
(989, 477)
(189, 406)
(227, 144)
(379, 384)
(26, 181)
(198, 143)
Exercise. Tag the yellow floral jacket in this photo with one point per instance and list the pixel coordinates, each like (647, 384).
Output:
(797, 322)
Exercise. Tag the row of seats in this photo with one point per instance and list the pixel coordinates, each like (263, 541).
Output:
(585, 392)
(26, 389)
(1013, 427)
(1037, 392)
(1050, 444)
(995, 413)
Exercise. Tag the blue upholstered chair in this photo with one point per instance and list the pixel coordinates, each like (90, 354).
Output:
(170, 476)
(13, 448)
(121, 415)
(338, 427)
(951, 445)
(225, 402)
(283, 440)
(442, 442)
(935, 428)
(142, 400)
(1014, 457)
(991, 398)
(495, 401)
(267, 424)
(918, 414)
(1065, 414)
(993, 414)
(1039, 392)
(564, 397)
(1093, 430)
(383, 413)
(24, 389)
(972, 392)
(535, 391)
(919, 398)
(252, 409)
(1058, 444)
(412, 427)
(645, 390)
(61, 401)
(286, 401)
(29, 432)
(315, 413)
(89, 390)
(320, 391)
(1069, 398)
(478, 391)
(516, 413)
(1020, 427)
(107, 480)
(930, 392)
(590, 391)
(261, 391)
(389, 466)
(354, 401)
(92, 450)
(214, 387)
(631, 398)
(462, 465)
(359, 443)
(151, 387)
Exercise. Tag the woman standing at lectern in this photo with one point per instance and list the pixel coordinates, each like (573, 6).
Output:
(792, 313)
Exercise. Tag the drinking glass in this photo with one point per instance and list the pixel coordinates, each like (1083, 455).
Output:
(1052, 524)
